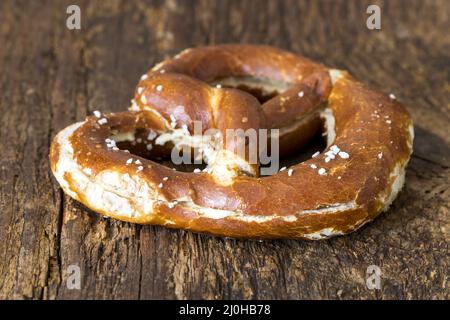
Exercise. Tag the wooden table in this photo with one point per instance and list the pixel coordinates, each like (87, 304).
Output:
(51, 77)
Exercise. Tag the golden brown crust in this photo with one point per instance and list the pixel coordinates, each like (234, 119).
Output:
(347, 185)
(308, 85)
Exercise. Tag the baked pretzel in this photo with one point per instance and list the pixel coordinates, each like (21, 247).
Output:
(357, 176)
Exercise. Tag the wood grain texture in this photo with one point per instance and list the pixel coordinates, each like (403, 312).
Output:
(51, 77)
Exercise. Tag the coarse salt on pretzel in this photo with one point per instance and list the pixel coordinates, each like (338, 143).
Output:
(357, 176)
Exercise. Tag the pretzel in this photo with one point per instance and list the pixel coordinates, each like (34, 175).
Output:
(103, 161)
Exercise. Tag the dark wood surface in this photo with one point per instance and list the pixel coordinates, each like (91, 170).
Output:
(51, 77)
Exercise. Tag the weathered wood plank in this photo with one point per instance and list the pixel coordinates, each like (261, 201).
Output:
(52, 76)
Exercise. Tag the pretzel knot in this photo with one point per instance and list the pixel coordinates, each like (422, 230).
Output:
(104, 163)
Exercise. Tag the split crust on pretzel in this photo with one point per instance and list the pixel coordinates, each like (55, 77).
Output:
(358, 175)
